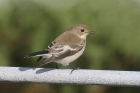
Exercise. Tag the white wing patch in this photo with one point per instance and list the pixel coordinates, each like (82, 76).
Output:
(63, 54)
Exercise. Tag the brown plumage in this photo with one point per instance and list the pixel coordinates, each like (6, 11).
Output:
(66, 48)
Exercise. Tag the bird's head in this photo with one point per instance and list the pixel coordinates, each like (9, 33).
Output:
(80, 30)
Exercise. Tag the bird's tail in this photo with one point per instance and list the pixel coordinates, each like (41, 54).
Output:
(39, 53)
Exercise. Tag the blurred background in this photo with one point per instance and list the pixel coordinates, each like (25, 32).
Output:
(30, 25)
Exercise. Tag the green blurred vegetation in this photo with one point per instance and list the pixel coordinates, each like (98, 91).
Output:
(29, 26)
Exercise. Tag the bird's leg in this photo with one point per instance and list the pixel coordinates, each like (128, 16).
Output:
(57, 66)
(73, 68)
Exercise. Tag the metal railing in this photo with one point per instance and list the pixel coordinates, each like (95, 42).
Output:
(63, 76)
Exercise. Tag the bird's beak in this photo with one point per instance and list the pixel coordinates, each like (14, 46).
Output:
(92, 32)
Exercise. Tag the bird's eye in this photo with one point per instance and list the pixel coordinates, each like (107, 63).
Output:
(82, 30)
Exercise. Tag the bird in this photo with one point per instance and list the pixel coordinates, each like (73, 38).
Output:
(66, 48)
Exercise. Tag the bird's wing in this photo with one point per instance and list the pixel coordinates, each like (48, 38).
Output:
(69, 50)
(53, 47)
(62, 52)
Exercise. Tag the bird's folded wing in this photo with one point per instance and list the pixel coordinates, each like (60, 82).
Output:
(67, 50)
(59, 50)
(62, 52)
